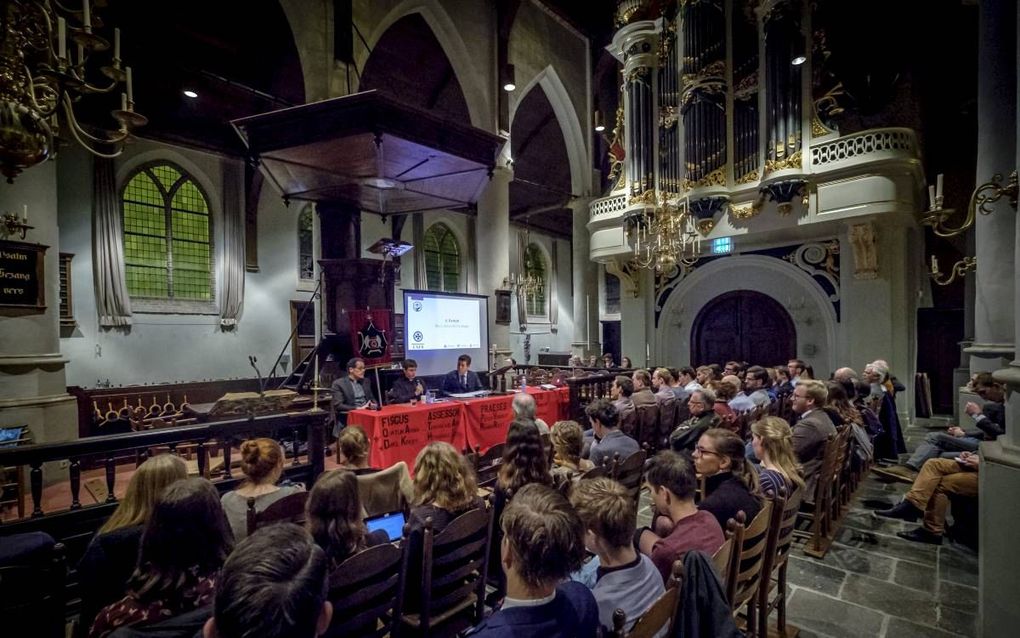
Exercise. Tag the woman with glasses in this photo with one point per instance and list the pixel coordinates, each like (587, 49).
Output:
(686, 435)
(731, 484)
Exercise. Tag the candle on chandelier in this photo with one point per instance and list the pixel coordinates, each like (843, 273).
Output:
(130, 94)
(123, 101)
(116, 45)
(61, 38)
(931, 196)
(24, 213)
(934, 265)
(86, 14)
(938, 186)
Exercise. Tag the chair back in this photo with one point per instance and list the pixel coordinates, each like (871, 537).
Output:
(660, 617)
(34, 594)
(487, 465)
(628, 422)
(388, 490)
(365, 592)
(648, 425)
(454, 570)
(749, 556)
(827, 472)
(629, 473)
(289, 509)
(598, 471)
(721, 560)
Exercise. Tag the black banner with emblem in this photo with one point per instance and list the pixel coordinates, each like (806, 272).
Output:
(22, 279)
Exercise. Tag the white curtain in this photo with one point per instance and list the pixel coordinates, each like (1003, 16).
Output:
(554, 302)
(112, 301)
(232, 290)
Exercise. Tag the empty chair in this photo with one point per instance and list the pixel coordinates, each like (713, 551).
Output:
(365, 592)
(289, 509)
(454, 570)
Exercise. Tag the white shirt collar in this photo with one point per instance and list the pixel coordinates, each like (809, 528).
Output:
(514, 602)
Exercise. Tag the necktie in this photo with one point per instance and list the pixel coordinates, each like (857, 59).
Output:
(463, 382)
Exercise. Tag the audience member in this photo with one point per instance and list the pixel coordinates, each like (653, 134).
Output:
(724, 393)
(837, 405)
(642, 389)
(524, 407)
(758, 386)
(686, 435)
(731, 484)
(782, 383)
(262, 466)
(682, 525)
(620, 392)
(626, 579)
(111, 557)
(273, 586)
(662, 381)
(704, 375)
(687, 378)
(182, 550)
(625, 363)
(352, 451)
(811, 431)
(929, 496)
(543, 543)
(334, 517)
(607, 360)
(889, 443)
(609, 440)
(741, 401)
(734, 368)
(567, 441)
(772, 439)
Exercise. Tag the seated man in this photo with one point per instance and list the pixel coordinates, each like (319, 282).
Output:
(686, 435)
(811, 431)
(757, 386)
(524, 407)
(609, 440)
(273, 585)
(990, 420)
(683, 527)
(462, 379)
(929, 496)
(351, 392)
(626, 579)
(620, 392)
(688, 378)
(543, 543)
(741, 401)
(662, 382)
(642, 389)
(407, 388)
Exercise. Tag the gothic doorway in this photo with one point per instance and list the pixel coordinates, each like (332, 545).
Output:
(743, 326)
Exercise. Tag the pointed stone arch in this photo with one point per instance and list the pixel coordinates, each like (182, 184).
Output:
(570, 127)
(453, 46)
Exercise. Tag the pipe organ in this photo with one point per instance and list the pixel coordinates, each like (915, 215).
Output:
(714, 103)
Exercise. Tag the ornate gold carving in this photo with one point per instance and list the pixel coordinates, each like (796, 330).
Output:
(715, 178)
(617, 154)
(792, 161)
(667, 116)
(705, 226)
(817, 128)
(647, 197)
(863, 239)
(746, 210)
(750, 177)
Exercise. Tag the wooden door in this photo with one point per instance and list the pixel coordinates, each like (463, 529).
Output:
(304, 338)
(743, 326)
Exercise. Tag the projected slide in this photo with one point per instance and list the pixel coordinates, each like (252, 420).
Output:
(443, 323)
(439, 327)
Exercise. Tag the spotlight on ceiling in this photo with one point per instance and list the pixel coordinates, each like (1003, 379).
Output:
(507, 78)
(798, 60)
(190, 93)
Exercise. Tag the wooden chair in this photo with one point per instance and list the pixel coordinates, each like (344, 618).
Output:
(454, 569)
(365, 592)
(598, 471)
(628, 422)
(721, 559)
(487, 465)
(781, 529)
(667, 422)
(385, 491)
(749, 550)
(661, 616)
(629, 472)
(289, 509)
(647, 425)
(35, 594)
(817, 519)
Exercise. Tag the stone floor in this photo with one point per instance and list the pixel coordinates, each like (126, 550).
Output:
(875, 584)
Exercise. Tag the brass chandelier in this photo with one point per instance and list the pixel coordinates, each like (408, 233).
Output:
(665, 237)
(46, 52)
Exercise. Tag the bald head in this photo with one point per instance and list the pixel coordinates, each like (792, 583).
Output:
(844, 374)
(524, 406)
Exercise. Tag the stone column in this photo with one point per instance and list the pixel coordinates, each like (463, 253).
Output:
(999, 563)
(33, 390)
(585, 284)
(492, 242)
(993, 312)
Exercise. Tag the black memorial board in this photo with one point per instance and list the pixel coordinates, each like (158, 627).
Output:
(22, 279)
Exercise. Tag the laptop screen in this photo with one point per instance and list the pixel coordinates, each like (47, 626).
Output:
(392, 524)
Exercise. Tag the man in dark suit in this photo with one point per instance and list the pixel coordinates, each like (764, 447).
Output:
(407, 388)
(642, 389)
(462, 379)
(811, 431)
(351, 392)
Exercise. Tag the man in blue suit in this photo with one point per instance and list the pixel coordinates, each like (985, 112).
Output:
(462, 379)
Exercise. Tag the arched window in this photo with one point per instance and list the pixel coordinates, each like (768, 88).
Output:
(167, 235)
(442, 259)
(306, 254)
(535, 269)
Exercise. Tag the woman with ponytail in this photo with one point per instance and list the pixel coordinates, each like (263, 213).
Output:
(333, 517)
(772, 439)
(731, 484)
(262, 466)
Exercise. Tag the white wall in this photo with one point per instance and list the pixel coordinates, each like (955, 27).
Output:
(543, 339)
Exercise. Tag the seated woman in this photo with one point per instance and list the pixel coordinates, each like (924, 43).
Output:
(731, 485)
(333, 517)
(352, 451)
(183, 547)
(567, 440)
(772, 440)
(724, 393)
(110, 559)
(262, 466)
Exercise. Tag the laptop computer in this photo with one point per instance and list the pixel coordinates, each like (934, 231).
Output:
(392, 523)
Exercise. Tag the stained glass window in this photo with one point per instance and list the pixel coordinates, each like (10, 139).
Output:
(167, 236)
(534, 268)
(442, 259)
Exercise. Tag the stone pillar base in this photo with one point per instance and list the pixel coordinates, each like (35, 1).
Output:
(998, 560)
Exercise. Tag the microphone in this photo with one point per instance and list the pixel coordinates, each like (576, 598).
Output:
(252, 360)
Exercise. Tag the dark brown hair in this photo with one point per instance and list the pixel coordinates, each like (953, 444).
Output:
(334, 515)
(524, 458)
(545, 535)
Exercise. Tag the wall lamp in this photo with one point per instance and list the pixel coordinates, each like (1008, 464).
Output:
(506, 78)
(980, 202)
